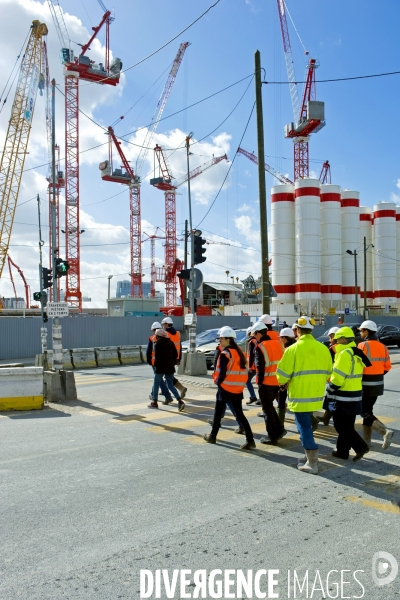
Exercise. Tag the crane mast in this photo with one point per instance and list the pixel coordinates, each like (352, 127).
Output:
(310, 117)
(17, 138)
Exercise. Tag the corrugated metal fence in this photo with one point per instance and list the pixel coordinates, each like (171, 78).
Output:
(20, 338)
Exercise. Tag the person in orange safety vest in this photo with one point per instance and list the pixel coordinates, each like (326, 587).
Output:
(372, 382)
(175, 337)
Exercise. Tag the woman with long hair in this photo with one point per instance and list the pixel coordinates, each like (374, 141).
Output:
(230, 376)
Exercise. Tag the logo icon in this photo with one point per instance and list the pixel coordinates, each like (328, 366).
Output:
(384, 568)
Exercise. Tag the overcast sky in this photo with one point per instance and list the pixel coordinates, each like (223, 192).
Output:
(360, 139)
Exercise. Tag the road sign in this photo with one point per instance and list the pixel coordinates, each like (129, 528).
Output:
(57, 309)
(189, 319)
(346, 311)
(332, 311)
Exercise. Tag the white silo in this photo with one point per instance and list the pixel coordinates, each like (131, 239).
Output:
(308, 239)
(398, 251)
(385, 266)
(366, 219)
(350, 241)
(331, 243)
(283, 242)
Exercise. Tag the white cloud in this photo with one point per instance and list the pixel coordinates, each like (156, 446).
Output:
(244, 224)
(244, 208)
(398, 183)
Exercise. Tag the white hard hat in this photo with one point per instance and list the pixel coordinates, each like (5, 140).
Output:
(333, 330)
(265, 319)
(248, 330)
(259, 326)
(167, 320)
(156, 325)
(227, 332)
(369, 325)
(295, 325)
(286, 332)
(305, 322)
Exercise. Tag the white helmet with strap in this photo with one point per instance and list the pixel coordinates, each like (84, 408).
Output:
(167, 320)
(258, 327)
(156, 325)
(227, 332)
(370, 325)
(266, 319)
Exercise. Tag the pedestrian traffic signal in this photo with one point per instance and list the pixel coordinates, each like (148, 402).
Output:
(40, 297)
(62, 267)
(47, 278)
(184, 274)
(199, 250)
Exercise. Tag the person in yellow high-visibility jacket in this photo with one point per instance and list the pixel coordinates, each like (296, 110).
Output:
(305, 368)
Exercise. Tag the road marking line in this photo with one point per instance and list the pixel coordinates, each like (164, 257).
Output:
(384, 507)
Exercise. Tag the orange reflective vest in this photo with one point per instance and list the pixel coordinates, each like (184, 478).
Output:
(272, 352)
(176, 339)
(274, 335)
(379, 356)
(236, 376)
(152, 338)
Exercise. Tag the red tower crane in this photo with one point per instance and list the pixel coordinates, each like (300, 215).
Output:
(310, 118)
(325, 175)
(251, 156)
(133, 179)
(165, 183)
(77, 68)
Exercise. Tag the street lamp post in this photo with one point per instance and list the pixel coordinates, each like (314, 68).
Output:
(365, 276)
(355, 276)
(109, 282)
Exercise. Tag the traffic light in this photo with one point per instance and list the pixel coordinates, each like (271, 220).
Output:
(62, 267)
(184, 274)
(199, 250)
(40, 297)
(47, 278)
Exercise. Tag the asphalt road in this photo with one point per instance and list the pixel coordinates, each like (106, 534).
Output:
(94, 491)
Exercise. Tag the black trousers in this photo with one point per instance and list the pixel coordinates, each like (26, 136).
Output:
(273, 425)
(236, 404)
(347, 435)
(368, 409)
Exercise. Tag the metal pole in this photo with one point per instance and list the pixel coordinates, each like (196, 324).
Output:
(43, 330)
(261, 186)
(185, 267)
(355, 280)
(365, 278)
(56, 329)
(192, 330)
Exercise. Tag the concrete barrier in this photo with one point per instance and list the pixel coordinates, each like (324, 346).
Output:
(107, 356)
(67, 362)
(83, 358)
(11, 366)
(21, 388)
(130, 355)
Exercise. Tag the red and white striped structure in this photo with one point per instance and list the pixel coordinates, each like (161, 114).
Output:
(331, 242)
(283, 242)
(350, 240)
(308, 239)
(385, 266)
(366, 230)
(398, 249)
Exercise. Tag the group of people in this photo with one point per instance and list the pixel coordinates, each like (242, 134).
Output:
(295, 370)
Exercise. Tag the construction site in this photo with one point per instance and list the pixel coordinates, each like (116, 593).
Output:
(327, 251)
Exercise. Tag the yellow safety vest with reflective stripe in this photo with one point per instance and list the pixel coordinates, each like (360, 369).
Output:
(347, 374)
(306, 366)
(236, 376)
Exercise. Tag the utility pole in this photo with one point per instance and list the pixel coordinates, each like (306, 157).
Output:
(355, 279)
(56, 329)
(192, 329)
(43, 330)
(365, 278)
(185, 267)
(261, 186)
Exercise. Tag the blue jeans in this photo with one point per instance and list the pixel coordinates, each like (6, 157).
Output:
(249, 385)
(164, 390)
(158, 381)
(303, 422)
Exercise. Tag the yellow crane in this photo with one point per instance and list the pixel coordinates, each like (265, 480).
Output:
(19, 128)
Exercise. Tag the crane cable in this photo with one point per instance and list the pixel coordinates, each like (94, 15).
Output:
(16, 73)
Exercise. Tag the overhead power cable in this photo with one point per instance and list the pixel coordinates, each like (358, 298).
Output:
(336, 79)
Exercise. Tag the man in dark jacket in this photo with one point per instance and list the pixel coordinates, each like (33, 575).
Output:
(165, 356)
(150, 353)
(175, 337)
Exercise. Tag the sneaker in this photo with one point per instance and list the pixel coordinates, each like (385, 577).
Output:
(240, 430)
(168, 400)
(181, 406)
(267, 440)
(359, 455)
(153, 404)
(248, 445)
(209, 438)
(183, 392)
(251, 401)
